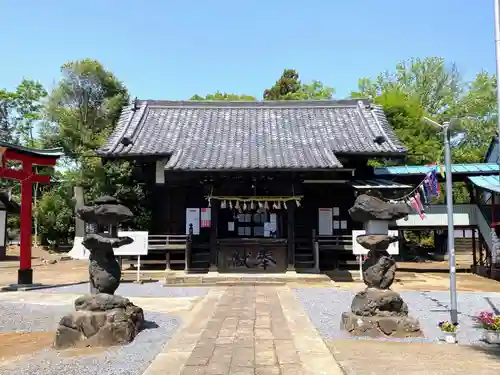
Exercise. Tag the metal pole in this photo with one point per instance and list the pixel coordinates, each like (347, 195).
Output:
(497, 46)
(451, 234)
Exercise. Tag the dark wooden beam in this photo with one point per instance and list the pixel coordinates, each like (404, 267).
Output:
(215, 206)
(291, 205)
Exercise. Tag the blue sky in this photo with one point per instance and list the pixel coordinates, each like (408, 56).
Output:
(172, 49)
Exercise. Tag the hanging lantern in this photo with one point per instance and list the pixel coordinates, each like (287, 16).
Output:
(261, 205)
(223, 204)
(284, 206)
(230, 205)
(278, 205)
(297, 202)
(275, 206)
(210, 203)
(237, 205)
(266, 206)
(244, 206)
(252, 206)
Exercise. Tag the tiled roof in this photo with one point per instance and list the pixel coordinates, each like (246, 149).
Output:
(216, 135)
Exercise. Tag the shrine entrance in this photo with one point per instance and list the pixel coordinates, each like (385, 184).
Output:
(23, 171)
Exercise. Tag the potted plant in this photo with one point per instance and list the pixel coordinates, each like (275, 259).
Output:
(491, 325)
(449, 330)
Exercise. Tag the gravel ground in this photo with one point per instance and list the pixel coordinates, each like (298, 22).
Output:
(132, 359)
(155, 289)
(325, 306)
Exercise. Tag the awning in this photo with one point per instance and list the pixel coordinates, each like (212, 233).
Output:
(409, 170)
(490, 183)
(377, 184)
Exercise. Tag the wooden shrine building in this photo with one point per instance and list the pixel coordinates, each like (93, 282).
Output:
(254, 181)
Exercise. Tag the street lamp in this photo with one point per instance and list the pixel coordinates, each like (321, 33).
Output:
(448, 143)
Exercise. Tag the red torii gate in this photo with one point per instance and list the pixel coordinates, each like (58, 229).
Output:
(26, 176)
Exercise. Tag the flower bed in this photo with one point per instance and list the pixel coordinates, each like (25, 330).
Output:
(490, 323)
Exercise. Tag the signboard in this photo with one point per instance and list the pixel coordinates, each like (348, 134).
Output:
(193, 217)
(206, 217)
(138, 247)
(3, 224)
(357, 249)
(325, 222)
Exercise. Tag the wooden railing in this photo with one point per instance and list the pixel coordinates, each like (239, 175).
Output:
(167, 242)
(164, 243)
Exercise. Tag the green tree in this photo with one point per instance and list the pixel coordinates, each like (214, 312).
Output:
(82, 111)
(29, 109)
(437, 86)
(55, 214)
(223, 96)
(7, 123)
(289, 87)
(83, 108)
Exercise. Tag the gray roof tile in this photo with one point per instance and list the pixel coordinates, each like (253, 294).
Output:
(252, 135)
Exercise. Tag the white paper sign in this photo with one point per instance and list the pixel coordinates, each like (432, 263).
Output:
(325, 225)
(193, 217)
(336, 224)
(3, 223)
(336, 211)
(138, 247)
(230, 226)
(357, 249)
(343, 224)
(206, 217)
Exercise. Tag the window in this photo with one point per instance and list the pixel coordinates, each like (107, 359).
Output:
(251, 224)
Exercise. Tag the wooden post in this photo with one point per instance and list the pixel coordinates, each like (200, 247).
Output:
(315, 248)
(474, 256)
(215, 206)
(167, 260)
(291, 235)
(189, 249)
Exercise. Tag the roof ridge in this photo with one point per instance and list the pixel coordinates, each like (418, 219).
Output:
(254, 103)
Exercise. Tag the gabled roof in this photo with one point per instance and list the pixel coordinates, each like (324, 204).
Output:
(218, 135)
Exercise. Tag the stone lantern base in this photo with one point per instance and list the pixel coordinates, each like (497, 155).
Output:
(379, 313)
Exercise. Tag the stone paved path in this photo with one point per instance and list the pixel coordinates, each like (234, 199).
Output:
(246, 331)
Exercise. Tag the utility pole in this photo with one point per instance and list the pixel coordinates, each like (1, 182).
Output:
(449, 213)
(451, 229)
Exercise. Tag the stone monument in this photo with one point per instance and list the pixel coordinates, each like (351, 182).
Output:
(378, 311)
(102, 318)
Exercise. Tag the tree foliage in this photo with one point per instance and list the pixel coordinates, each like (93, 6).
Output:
(83, 108)
(289, 87)
(223, 96)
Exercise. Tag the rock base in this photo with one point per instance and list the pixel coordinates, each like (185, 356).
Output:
(100, 320)
(378, 302)
(380, 326)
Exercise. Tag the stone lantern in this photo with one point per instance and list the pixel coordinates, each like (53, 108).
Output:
(377, 310)
(102, 318)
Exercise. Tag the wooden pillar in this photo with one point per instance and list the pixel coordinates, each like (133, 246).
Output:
(25, 273)
(215, 206)
(291, 206)
(474, 256)
(189, 250)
